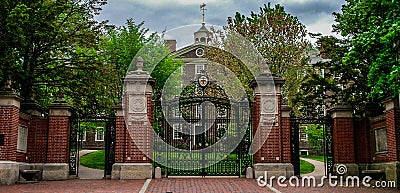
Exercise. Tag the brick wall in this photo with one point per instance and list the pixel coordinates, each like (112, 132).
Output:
(58, 149)
(343, 140)
(393, 134)
(37, 139)
(9, 120)
(362, 135)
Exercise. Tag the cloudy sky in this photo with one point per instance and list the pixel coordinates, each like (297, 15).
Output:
(160, 15)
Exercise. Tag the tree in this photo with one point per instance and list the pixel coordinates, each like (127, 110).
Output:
(280, 38)
(315, 135)
(48, 46)
(338, 83)
(364, 64)
(123, 43)
(373, 30)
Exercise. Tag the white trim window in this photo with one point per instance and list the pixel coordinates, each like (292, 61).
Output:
(81, 136)
(99, 134)
(199, 68)
(177, 131)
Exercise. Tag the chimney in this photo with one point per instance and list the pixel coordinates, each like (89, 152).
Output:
(171, 44)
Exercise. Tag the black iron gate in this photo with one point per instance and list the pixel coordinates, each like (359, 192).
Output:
(327, 142)
(77, 127)
(202, 133)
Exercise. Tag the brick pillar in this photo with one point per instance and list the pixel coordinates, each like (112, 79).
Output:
(120, 134)
(9, 122)
(343, 138)
(392, 168)
(57, 167)
(134, 140)
(285, 127)
(393, 129)
(271, 129)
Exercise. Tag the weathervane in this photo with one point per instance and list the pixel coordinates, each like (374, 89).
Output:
(203, 10)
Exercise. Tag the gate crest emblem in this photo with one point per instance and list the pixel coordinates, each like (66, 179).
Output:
(203, 81)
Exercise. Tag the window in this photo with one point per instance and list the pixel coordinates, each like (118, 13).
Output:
(302, 135)
(199, 68)
(381, 140)
(99, 134)
(177, 131)
(81, 136)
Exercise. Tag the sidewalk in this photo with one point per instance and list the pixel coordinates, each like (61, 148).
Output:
(319, 169)
(175, 185)
(86, 173)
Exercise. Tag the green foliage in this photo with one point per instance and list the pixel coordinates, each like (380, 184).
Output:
(93, 160)
(320, 158)
(122, 44)
(306, 167)
(49, 46)
(315, 135)
(373, 30)
(364, 65)
(280, 38)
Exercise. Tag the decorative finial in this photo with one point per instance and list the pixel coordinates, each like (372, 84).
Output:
(139, 64)
(265, 66)
(203, 10)
(8, 83)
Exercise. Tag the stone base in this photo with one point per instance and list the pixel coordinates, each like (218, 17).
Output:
(273, 169)
(249, 172)
(9, 172)
(392, 170)
(130, 171)
(55, 171)
(352, 169)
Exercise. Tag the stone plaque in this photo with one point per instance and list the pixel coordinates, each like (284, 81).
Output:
(137, 104)
(381, 140)
(22, 139)
(269, 105)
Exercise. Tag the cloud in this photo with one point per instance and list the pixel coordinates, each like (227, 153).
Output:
(162, 15)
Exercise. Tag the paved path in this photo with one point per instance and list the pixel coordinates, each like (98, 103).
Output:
(86, 173)
(175, 185)
(319, 169)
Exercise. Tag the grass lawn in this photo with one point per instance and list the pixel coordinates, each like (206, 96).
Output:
(306, 167)
(314, 157)
(93, 160)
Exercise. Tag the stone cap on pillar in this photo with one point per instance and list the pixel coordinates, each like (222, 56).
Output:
(10, 98)
(118, 108)
(139, 75)
(266, 78)
(391, 102)
(342, 111)
(32, 107)
(285, 110)
(60, 109)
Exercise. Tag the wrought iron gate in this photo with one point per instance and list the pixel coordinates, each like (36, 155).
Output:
(327, 143)
(77, 127)
(196, 129)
